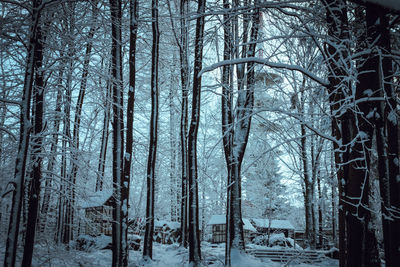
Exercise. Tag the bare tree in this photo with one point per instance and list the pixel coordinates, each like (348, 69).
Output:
(151, 161)
(25, 129)
(194, 235)
(118, 134)
(236, 121)
(134, 15)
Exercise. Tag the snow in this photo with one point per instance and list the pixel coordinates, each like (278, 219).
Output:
(368, 92)
(248, 226)
(97, 199)
(392, 117)
(275, 224)
(217, 219)
(220, 219)
(50, 254)
(169, 224)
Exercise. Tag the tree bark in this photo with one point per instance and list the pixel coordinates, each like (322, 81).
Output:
(118, 134)
(236, 127)
(183, 55)
(134, 14)
(151, 161)
(337, 24)
(37, 158)
(378, 32)
(53, 151)
(194, 235)
(25, 128)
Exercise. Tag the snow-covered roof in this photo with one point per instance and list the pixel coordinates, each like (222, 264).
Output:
(217, 219)
(248, 226)
(221, 219)
(275, 224)
(97, 199)
(171, 225)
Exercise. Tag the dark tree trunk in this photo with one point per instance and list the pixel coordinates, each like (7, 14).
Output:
(337, 24)
(36, 175)
(361, 241)
(378, 33)
(226, 109)
(118, 135)
(104, 138)
(133, 10)
(194, 235)
(308, 187)
(151, 161)
(20, 163)
(53, 150)
(236, 127)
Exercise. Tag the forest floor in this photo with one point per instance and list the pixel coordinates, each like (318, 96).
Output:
(163, 256)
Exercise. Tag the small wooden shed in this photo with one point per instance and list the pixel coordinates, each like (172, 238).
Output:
(218, 228)
(98, 213)
(274, 226)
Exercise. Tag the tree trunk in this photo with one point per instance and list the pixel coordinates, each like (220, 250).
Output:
(118, 134)
(226, 110)
(36, 175)
(104, 138)
(20, 163)
(172, 143)
(194, 235)
(53, 151)
(151, 161)
(236, 129)
(183, 55)
(378, 32)
(337, 24)
(361, 242)
(133, 10)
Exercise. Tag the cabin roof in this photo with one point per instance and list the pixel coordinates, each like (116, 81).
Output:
(221, 219)
(97, 199)
(248, 226)
(275, 224)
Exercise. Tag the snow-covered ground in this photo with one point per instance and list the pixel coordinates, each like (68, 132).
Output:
(163, 256)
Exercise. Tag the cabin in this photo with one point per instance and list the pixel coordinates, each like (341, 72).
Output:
(328, 238)
(98, 213)
(167, 232)
(218, 228)
(274, 227)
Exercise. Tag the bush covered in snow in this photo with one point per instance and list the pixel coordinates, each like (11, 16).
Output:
(89, 243)
(275, 240)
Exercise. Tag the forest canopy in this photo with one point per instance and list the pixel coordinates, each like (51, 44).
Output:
(142, 120)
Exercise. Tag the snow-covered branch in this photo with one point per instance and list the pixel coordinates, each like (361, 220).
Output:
(268, 63)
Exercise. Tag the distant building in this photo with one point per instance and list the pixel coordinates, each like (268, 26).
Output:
(274, 227)
(98, 213)
(218, 228)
